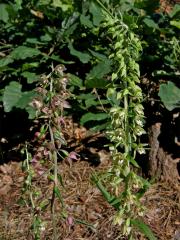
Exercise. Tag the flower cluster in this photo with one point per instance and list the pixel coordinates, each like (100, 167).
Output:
(127, 118)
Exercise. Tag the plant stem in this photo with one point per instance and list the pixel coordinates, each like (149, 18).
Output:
(54, 158)
(28, 169)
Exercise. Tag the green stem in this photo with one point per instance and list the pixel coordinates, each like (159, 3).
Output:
(126, 125)
(54, 158)
(29, 173)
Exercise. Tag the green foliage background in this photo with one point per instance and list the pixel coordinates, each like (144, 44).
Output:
(36, 34)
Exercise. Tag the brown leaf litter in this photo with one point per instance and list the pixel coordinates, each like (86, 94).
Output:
(87, 216)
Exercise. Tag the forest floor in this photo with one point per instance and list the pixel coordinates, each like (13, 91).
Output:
(86, 215)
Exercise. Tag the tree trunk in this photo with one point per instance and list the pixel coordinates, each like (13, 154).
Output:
(161, 164)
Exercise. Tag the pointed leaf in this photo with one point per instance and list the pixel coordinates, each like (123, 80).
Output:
(60, 180)
(58, 194)
(83, 57)
(144, 229)
(93, 117)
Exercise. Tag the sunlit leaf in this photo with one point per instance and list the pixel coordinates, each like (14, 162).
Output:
(175, 24)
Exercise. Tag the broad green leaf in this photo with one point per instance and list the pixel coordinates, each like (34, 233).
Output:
(25, 99)
(144, 229)
(64, 6)
(175, 24)
(31, 77)
(5, 61)
(12, 94)
(27, 66)
(23, 52)
(44, 2)
(100, 70)
(84, 96)
(4, 15)
(150, 23)
(175, 11)
(75, 81)
(31, 111)
(58, 59)
(34, 41)
(99, 56)
(96, 12)
(85, 20)
(46, 38)
(93, 102)
(96, 83)
(170, 95)
(70, 30)
(93, 117)
(18, 4)
(83, 57)
(95, 79)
